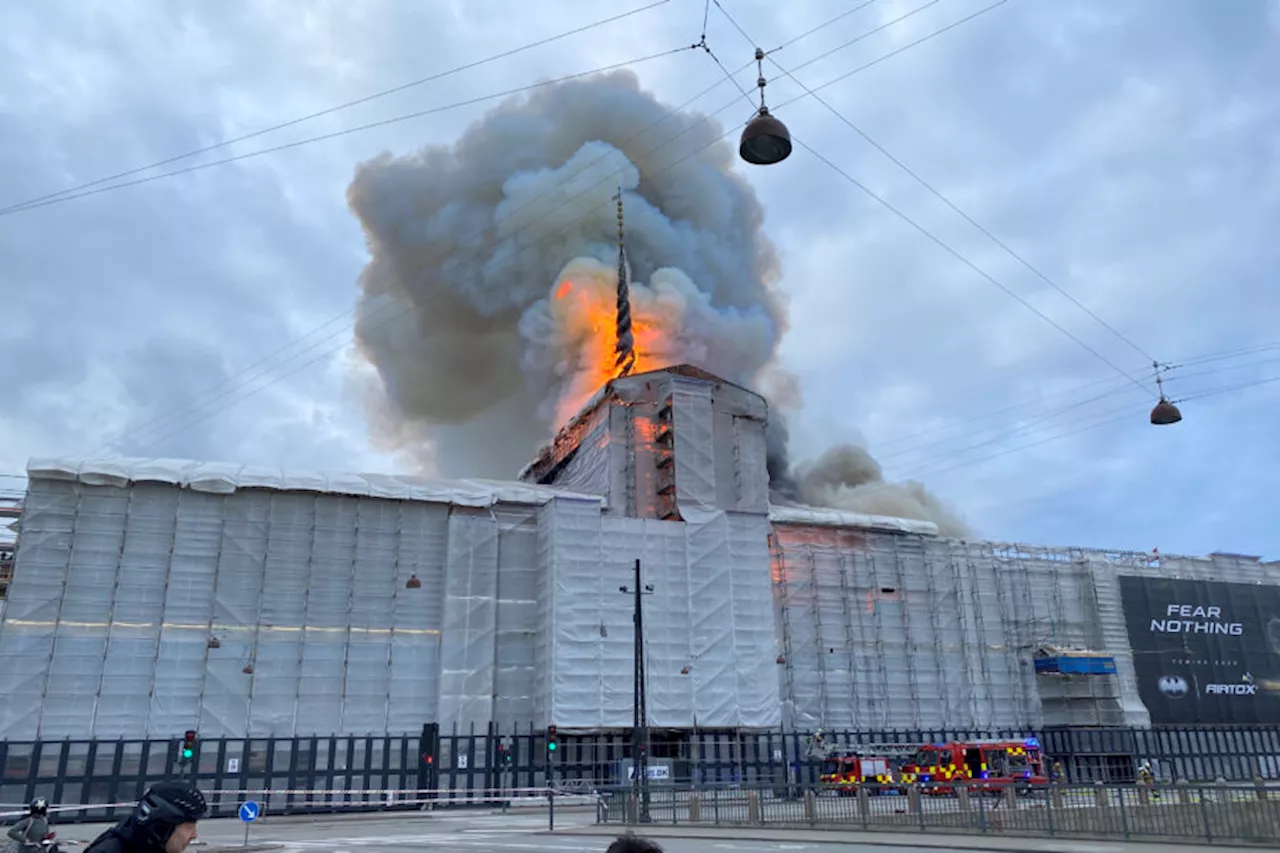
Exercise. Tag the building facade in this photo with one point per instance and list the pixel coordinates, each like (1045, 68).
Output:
(155, 596)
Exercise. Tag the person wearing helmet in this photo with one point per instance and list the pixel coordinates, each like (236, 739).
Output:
(25, 835)
(164, 821)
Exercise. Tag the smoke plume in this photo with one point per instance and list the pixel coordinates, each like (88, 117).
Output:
(487, 305)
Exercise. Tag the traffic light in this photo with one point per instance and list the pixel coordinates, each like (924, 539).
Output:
(504, 754)
(551, 739)
(188, 750)
(430, 737)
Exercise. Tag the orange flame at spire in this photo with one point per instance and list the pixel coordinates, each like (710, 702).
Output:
(584, 307)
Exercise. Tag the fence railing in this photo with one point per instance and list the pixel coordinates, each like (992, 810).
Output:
(101, 778)
(1218, 813)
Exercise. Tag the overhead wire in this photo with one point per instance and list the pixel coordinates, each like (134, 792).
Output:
(248, 155)
(970, 264)
(1109, 417)
(894, 448)
(1114, 415)
(239, 377)
(244, 376)
(842, 77)
(916, 225)
(339, 107)
(1254, 349)
(587, 191)
(1021, 259)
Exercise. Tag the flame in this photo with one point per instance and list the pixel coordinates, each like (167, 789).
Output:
(585, 308)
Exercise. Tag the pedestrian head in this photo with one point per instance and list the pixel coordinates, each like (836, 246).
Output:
(631, 843)
(167, 815)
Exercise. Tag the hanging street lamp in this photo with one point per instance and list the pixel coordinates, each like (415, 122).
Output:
(765, 140)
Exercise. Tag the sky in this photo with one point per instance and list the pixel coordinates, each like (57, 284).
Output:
(1129, 151)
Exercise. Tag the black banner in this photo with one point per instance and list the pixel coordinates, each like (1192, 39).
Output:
(1205, 651)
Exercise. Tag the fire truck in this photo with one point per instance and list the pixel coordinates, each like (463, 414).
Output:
(844, 773)
(993, 765)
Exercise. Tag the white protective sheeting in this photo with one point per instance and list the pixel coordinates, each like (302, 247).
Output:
(120, 590)
(227, 478)
(695, 447)
(819, 517)
(128, 571)
(889, 631)
(883, 630)
(709, 639)
(517, 616)
(470, 620)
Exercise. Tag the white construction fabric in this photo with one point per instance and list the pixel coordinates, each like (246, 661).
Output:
(470, 621)
(227, 478)
(153, 597)
(695, 450)
(120, 591)
(821, 517)
(709, 638)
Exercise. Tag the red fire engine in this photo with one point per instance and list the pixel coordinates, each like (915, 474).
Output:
(993, 765)
(844, 773)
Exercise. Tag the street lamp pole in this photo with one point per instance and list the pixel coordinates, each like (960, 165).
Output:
(639, 706)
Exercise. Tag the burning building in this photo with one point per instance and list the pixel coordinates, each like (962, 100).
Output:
(154, 596)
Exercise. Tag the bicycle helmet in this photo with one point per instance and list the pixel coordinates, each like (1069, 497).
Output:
(39, 806)
(166, 805)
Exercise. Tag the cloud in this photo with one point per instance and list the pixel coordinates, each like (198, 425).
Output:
(1131, 151)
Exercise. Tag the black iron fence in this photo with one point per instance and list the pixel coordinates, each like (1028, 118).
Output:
(333, 773)
(1222, 812)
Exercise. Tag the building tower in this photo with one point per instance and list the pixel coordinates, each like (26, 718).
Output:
(625, 349)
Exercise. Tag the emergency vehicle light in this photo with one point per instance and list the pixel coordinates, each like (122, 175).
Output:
(1033, 743)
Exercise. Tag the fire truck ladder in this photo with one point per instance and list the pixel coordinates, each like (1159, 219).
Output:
(869, 749)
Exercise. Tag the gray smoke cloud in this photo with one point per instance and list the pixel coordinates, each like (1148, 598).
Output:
(846, 477)
(486, 305)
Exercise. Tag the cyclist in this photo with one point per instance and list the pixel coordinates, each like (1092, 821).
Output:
(164, 821)
(25, 835)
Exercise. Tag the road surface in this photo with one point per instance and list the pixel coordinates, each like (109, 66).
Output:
(526, 832)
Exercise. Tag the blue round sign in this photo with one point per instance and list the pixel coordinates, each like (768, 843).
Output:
(249, 811)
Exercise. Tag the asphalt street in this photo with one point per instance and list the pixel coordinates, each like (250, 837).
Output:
(525, 831)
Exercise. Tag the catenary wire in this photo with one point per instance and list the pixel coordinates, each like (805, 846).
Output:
(970, 264)
(242, 376)
(419, 114)
(842, 77)
(871, 488)
(924, 231)
(330, 110)
(1036, 271)
(1124, 413)
(692, 126)
(239, 377)
(1254, 349)
(828, 23)
(186, 170)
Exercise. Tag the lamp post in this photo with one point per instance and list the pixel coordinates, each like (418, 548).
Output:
(639, 709)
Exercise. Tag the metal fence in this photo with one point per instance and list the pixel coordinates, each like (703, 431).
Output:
(1219, 813)
(315, 774)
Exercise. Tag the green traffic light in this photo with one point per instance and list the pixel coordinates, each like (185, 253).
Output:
(187, 753)
(552, 746)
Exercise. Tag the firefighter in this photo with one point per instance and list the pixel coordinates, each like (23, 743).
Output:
(1147, 777)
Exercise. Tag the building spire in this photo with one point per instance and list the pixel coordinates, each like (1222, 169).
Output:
(625, 350)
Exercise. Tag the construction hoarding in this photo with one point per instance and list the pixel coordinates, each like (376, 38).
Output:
(1205, 651)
